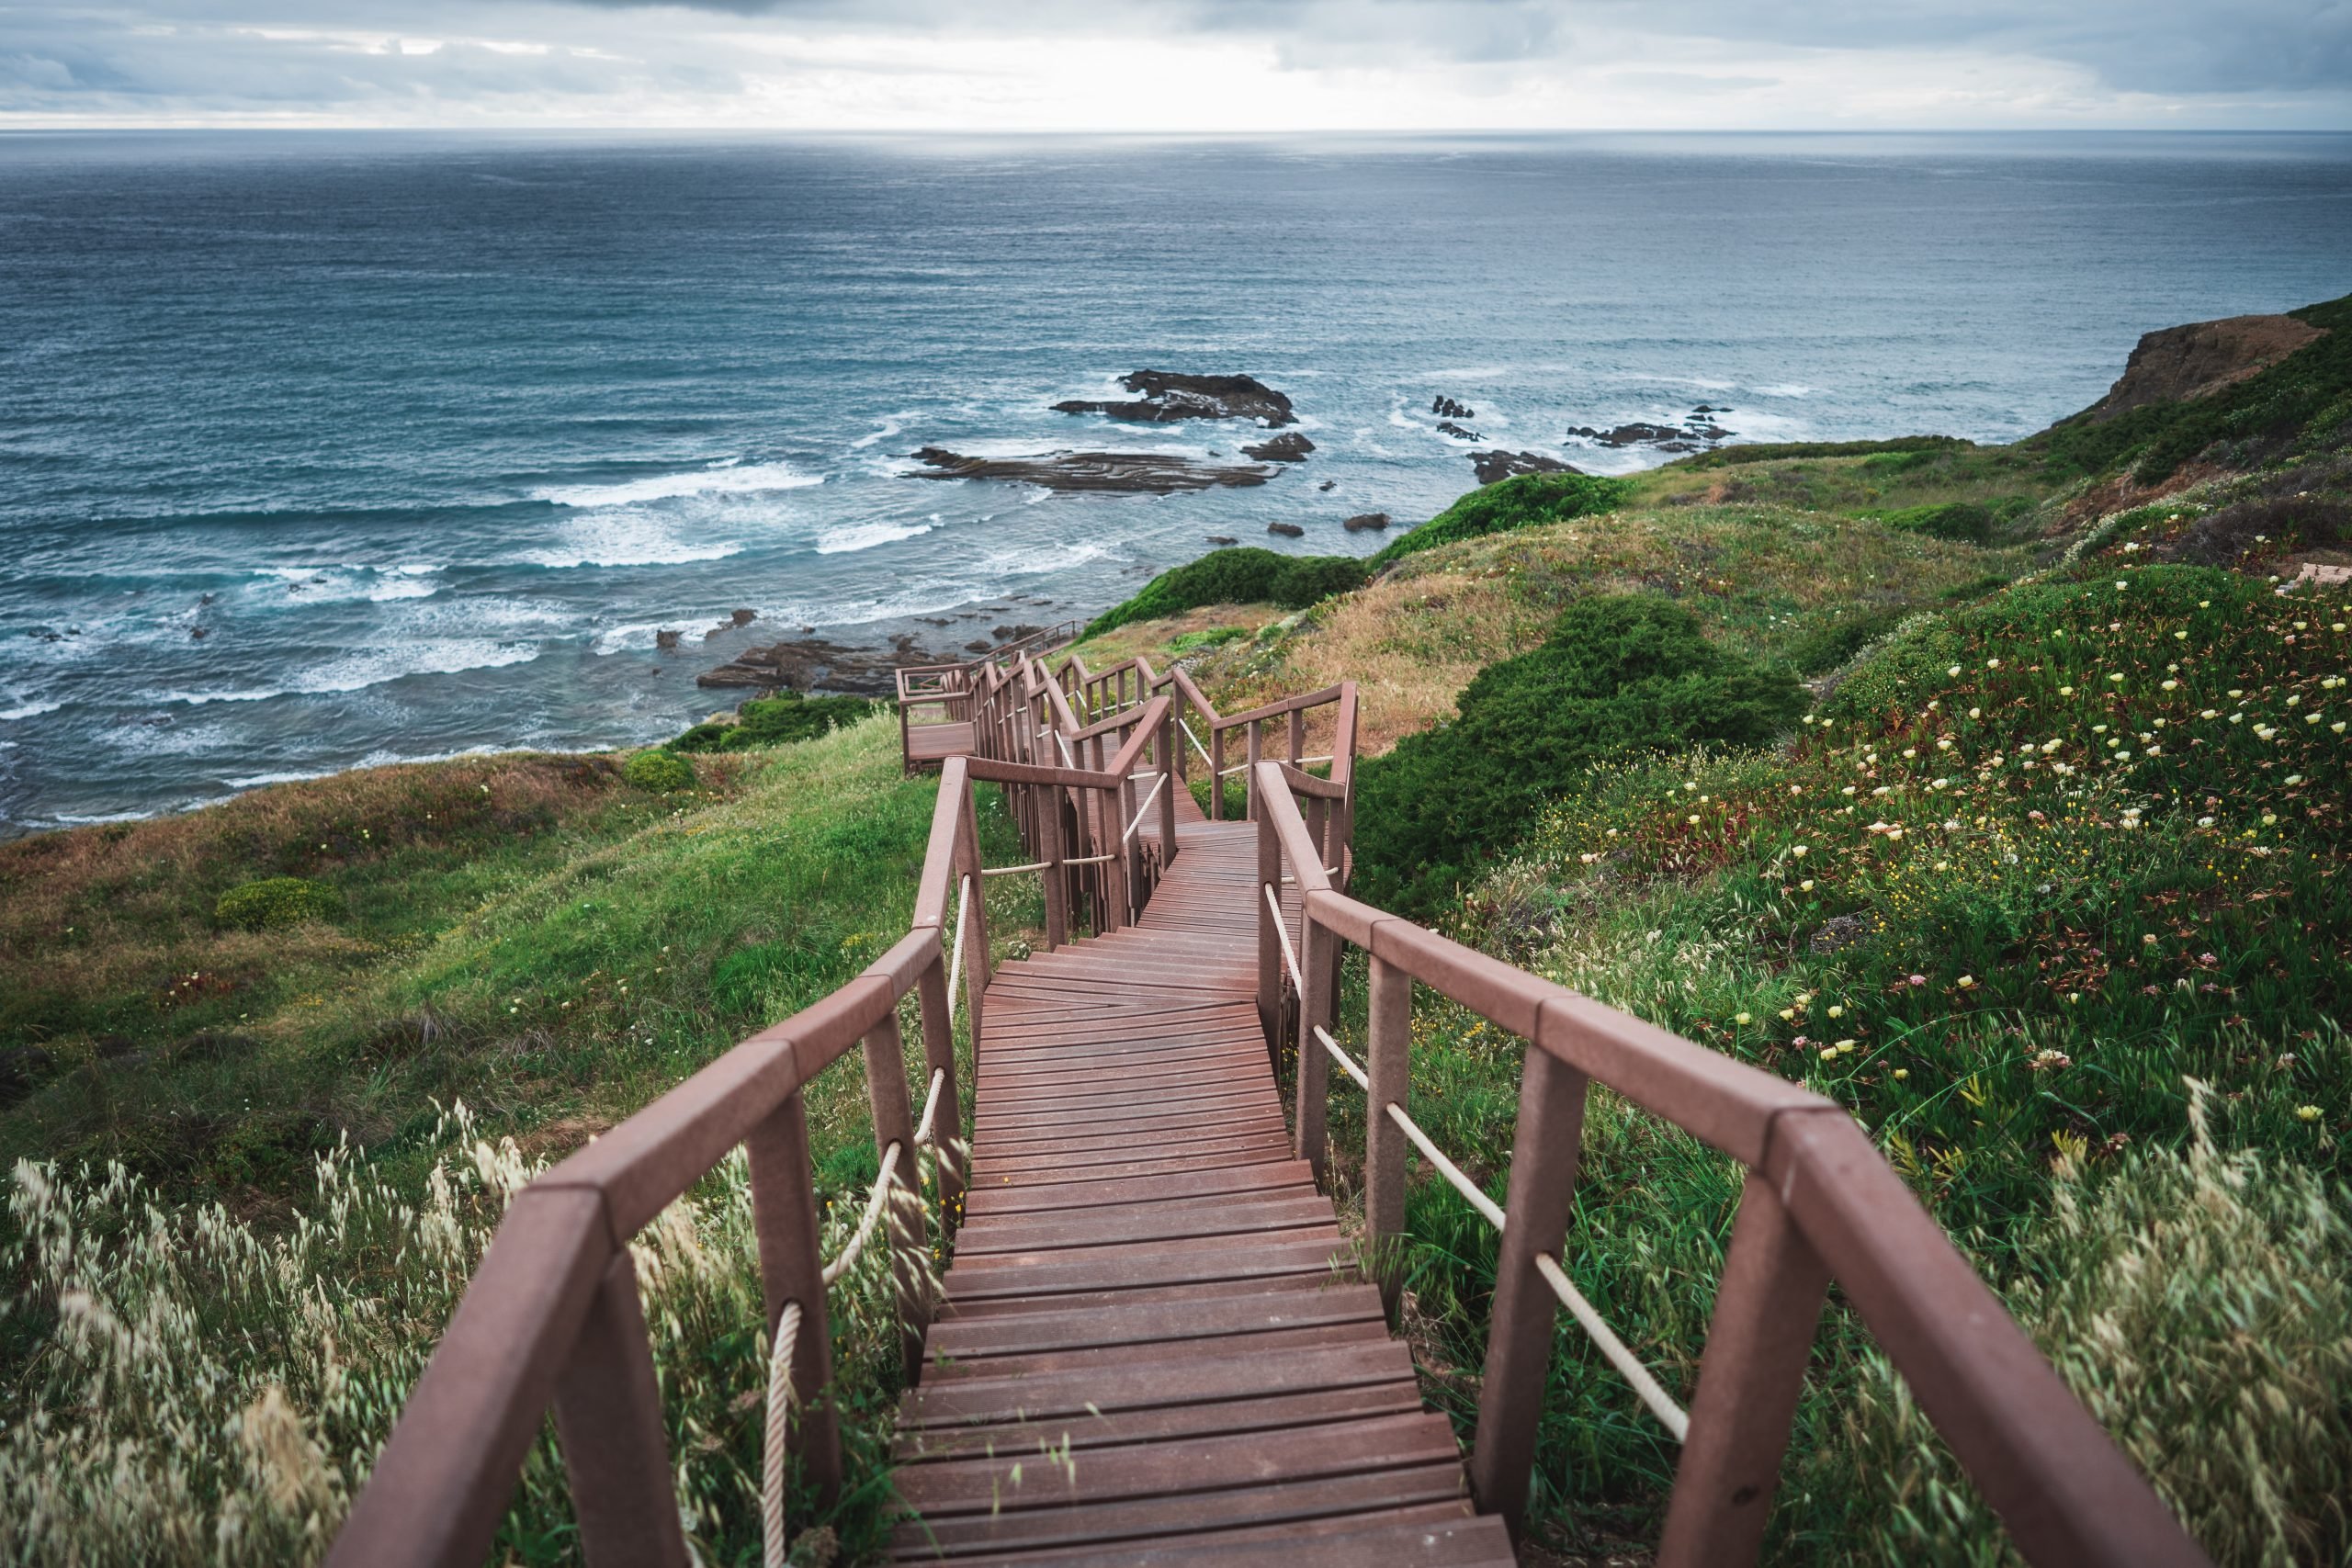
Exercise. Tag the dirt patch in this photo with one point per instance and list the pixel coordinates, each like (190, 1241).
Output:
(2179, 363)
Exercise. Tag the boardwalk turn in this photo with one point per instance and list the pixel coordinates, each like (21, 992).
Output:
(1151, 1350)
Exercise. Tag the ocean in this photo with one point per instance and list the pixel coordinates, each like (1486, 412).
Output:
(430, 435)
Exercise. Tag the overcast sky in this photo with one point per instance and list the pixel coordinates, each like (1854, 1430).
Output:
(1187, 65)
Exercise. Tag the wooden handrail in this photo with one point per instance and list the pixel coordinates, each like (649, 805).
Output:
(1819, 1205)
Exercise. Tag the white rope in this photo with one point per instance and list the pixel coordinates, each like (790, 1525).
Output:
(1282, 930)
(788, 1337)
(1670, 1415)
(1062, 742)
(1346, 1062)
(1446, 1168)
(1141, 806)
(1014, 870)
(930, 1107)
(1090, 859)
(956, 960)
(873, 1217)
(1194, 739)
(1236, 768)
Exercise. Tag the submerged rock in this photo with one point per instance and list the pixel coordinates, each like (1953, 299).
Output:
(1221, 540)
(1287, 530)
(1493, 467)
(1166, 395)
(1288, 447)
(1157, 473)
(1447, 427)
(1365, 520)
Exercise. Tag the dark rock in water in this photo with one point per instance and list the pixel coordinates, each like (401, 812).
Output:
(1680, 447)
(198, 633)
(813, 665)
(1363, 520)
(2194, 361)
(1329, 484)
(1447, 427)
(666, 638)
(1495, 467)
(1156, 473)
(978, 645)
(1221, 540)
(743, 617)
(1164, 395)
(1009, 633)
(1708, 432)
(1289, 447)
(1637, 434)
(1452, 410)
(1287, 530)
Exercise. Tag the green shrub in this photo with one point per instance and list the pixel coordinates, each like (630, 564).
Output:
(1244, 576)
(1518, 503)
(661, 772)
(277, 902)
(1901, 452)
(776, 721)
(1618, 674)
(1964, 521)
(1824, 647)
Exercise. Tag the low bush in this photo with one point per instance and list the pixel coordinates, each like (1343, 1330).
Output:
(1914, 449)
(1619, 673)
(1243, 576)
(775, 721)
(1521, 502)
(664, 773)
(277, 902)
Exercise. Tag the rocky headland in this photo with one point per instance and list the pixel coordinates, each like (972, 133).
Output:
(1154, 473)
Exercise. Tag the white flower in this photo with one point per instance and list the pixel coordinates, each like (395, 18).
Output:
(1954, 670)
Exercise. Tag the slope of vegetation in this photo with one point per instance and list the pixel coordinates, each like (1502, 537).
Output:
(205, 1192)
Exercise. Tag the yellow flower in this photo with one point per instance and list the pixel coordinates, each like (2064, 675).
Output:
(1901, 1074)
(1742, 1019)
(1965, 981)
(2307, 1112)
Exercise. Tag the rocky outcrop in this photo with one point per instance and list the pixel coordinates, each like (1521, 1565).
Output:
(1287, 530)
(1155, 473)
(1493, 467)
(1164, 395)
(1451, 409)
(1221, 540)
(1288, 447)
(2197, 360)
(813, 664)
(1447, 427)
(1365, 520)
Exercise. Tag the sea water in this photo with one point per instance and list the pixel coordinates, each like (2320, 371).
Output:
(429, 436)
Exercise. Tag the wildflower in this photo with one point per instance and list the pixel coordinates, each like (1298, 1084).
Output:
(1742, 1019)
(1901, 1074)
(1954, 670)
(1991, 664)
(2294, 779)
(1799, 852)
(2116, 678)
(1829, 1052)
(2180, 636)
(1918, 979)
(1844, 1047)
(1836, 1012)
(2073, 995)
(2065, 691)
(1966, 982)
(2172, 685)
(1692, 819)
(1976, 713)
(1787, 1015)
(2307, 1113)
(1806, 885)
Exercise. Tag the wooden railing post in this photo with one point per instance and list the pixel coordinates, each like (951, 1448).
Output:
(784, 1215)
(939, 1056)
(1249, 780)
(1050, 821)
(1546, 1148)
(894, 1122)
(1297, 735)
(1269, 953)
(1767, 1309)
(608, 1422)
(1318, 965)
(1388, 1067)
(1171, 767)
(975, 942)
(1216, 773)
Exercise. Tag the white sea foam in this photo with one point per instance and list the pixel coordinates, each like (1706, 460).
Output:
(892, 423)
(377, 584)
(724, 479)
(624, 539)
(867, 535)
(362, 668)
(29, 710)
(1784, 390)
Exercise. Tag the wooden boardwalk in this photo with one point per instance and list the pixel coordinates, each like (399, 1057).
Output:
(928, 745)
(1152, 1349)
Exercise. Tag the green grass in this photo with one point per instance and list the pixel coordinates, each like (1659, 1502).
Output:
(1234, 576)
(1524, 502)
(558, 999)
(2012, 995)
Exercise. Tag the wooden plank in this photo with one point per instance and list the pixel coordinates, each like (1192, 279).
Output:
(1200, 1317)
(1277, 1413)
(1148, 1382)
(1432, 1535)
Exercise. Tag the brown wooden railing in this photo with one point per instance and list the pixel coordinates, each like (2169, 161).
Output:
(552, 1318)
(1819, 1205)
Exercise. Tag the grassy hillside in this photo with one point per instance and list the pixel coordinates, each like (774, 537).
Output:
(507, 979)
(2048, 885)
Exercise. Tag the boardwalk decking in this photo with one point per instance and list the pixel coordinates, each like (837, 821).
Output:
(927, 745)
(1152, 1349)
